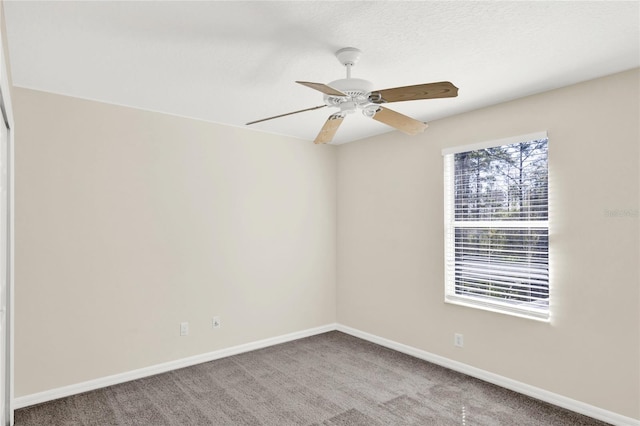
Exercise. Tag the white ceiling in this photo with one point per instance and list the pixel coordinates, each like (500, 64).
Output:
(233, 62)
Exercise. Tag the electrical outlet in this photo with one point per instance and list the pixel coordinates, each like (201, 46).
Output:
(458, 340)
(184, 328)
(216, 322)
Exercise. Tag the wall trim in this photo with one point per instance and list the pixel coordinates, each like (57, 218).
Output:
(514, 385)
(49, 395)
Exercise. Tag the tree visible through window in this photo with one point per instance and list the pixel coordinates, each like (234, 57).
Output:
(497, 238)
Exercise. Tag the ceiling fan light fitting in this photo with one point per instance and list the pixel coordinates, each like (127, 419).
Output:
(370, 110)
(348, 107)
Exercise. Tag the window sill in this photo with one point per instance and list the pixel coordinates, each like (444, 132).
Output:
(499, 308)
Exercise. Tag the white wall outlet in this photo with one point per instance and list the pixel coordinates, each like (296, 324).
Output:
(458, 340)
(184, 328)
(216, 322)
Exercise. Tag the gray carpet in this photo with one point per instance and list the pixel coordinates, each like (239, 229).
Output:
(330, 379)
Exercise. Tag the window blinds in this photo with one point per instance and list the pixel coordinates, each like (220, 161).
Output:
(496, 226)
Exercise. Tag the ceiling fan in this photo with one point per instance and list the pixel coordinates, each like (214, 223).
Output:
(353, 94)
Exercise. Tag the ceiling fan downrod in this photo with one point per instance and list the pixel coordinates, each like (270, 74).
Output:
(348, 56)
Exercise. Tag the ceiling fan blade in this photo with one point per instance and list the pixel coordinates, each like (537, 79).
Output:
(443, 89)
(284, 115)
(327, 90)
(329, 129)
(399, 121)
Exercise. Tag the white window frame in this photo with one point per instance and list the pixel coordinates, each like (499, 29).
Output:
(525, 310)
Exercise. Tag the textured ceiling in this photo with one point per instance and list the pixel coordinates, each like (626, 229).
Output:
(233, 62)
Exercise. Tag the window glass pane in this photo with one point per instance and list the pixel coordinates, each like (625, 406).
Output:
(502, 183)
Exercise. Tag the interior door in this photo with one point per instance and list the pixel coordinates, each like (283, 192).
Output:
(4, 239)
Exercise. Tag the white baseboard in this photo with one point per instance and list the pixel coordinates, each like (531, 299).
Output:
(40, 397)
(523, 388)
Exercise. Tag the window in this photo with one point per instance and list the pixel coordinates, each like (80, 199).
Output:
(496, 226)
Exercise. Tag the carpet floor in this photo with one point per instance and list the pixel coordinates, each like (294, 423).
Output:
(329, 379)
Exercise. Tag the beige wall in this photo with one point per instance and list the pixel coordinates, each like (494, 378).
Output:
(129, 222)
(390, 244)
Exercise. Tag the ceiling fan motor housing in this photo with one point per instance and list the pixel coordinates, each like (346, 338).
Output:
(357, 91)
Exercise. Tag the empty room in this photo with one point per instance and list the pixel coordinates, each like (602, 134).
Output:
(320, 213)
